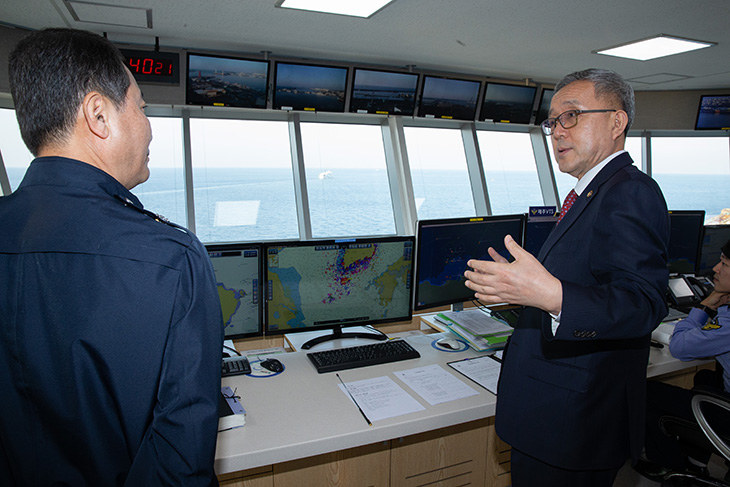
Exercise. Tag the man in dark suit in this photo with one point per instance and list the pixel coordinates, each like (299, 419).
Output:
(572, 386)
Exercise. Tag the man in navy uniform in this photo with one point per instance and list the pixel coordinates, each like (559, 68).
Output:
(572, 386)
(110, 323)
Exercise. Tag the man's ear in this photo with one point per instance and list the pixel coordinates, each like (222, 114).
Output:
(95, 109)
(620, 120)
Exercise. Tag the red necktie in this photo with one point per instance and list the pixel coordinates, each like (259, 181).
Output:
(569, 200)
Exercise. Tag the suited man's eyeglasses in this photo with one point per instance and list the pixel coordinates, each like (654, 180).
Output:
(567, 119)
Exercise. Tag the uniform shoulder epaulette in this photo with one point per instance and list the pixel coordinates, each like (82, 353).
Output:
(158, 218)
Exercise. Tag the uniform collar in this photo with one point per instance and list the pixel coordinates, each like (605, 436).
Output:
(65, 172)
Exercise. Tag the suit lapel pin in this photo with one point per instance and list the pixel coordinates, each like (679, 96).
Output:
(590, 193)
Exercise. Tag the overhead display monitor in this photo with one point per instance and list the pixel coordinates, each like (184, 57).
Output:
(309, 87)
(449, 98)
(543, 108)
(332, 284)
(238, 269)
(504, 103)
(445, 246)
(226, 81)
(713, 113)
(686, 228)
(715, 236)
(383, 92)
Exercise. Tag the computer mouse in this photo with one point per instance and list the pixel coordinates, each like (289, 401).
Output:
(449, 343)
(272, 364)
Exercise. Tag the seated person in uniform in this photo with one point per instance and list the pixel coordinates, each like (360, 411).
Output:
(704, 333)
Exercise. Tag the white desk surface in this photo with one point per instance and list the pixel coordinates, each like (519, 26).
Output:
(300, 413)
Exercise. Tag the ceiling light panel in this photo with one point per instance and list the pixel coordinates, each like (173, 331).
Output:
(654, 47)
(360, 8)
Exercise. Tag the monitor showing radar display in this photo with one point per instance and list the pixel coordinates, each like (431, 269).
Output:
(238, 278)
(332, 284)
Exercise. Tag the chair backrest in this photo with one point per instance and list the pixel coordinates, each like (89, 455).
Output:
(698, 400)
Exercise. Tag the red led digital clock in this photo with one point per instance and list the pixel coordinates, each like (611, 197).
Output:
(153, 66)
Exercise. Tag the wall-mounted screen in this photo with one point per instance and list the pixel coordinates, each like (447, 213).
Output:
(505, 103)
(448, 98)
(331, 284)
(226, 81)
(238, 269)
(543, 108)
(445, 246)
(309, 87)
(685, 240)
(383, 92)
(713, 113)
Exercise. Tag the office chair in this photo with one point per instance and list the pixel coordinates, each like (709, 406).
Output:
(702, 435)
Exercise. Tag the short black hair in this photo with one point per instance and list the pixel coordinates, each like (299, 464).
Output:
(606, 83)
(51, 71)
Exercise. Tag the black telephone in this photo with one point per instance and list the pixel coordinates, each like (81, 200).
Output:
(687, 291)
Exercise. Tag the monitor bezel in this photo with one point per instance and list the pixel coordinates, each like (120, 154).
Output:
(357, 70)
(341, 325)
(236, 246)
(424, 86)
(275, 87)
(482, 116)
(699, 112)
(701, 214)
(267, 91)
(469, 295)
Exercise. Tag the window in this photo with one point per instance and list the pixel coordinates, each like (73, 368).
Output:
(438, 170)
(164, 191)
(243, 180)
(16, 156)
(509, 166)
(693, 172)
(347, 180)
(566, 182)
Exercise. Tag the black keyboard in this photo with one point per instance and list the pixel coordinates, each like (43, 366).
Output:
(362, 356)
(235, 366)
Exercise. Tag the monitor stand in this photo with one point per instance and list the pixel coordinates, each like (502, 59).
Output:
(337, 333)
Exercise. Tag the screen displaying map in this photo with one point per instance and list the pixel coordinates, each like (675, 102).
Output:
(334, 283)
(444, 248)
(238, 278)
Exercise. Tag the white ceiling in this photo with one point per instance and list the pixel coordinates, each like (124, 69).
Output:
(538, 39)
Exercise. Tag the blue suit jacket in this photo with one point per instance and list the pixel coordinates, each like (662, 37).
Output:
(576, 400)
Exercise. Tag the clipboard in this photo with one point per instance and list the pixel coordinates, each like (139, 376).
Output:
(482, 370)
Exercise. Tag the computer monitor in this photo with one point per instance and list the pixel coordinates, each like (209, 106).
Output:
(238, 269)
(448, 98)
(505, 103)
(309, 87)
(713, 113)
(540, 222)
(383, 92)
(443, 248)
(226, 81)
(543, 108)
(715, 237)
(332, 284)
(685, 240)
